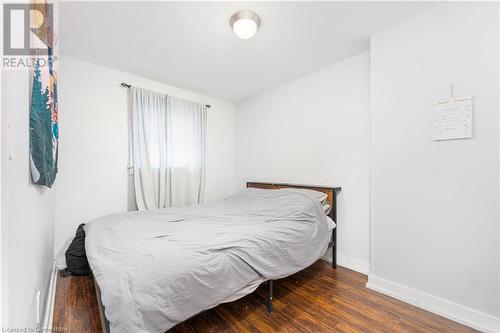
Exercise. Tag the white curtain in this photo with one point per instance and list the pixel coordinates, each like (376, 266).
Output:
(168, 137)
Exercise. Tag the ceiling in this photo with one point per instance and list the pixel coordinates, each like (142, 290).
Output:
(191, 45)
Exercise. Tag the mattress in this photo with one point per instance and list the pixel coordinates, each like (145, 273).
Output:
(154, 272)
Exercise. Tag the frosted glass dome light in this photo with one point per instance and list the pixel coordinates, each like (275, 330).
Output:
(245, 24)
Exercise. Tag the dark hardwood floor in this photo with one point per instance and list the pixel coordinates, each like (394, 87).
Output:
(318, 299)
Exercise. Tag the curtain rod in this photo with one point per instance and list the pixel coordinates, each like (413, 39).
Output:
(126, 85)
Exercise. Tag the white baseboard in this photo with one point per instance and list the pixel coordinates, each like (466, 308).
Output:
(51, 296)
(349, 262)
(440, 306)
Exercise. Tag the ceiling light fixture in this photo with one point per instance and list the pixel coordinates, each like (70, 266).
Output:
(245, 23)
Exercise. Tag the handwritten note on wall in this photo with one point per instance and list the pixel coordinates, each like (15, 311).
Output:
(452, 120)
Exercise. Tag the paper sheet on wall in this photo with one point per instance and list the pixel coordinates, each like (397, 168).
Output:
(452, 120)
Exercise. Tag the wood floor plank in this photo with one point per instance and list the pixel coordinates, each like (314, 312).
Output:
(317, 299)
(76, 308)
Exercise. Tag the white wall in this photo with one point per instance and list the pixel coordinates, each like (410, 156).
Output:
(435, 205)
(28, 220)
(315, 130)
(93, 177)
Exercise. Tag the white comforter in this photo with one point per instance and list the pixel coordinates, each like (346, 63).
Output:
(157, 268)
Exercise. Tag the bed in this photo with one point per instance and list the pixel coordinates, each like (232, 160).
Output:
(154, 269)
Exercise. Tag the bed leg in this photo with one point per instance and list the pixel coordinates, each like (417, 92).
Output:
(334, 248)
(270, 299)
(334, 231)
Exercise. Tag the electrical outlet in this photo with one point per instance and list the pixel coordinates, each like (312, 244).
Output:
(10, 149)
(38, 308)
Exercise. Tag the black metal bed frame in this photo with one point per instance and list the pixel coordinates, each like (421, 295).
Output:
(332, 244)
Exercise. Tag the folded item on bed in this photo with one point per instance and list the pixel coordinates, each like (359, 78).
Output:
(331, 224)
(321, 196)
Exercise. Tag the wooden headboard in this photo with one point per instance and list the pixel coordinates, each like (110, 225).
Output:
(330, 192)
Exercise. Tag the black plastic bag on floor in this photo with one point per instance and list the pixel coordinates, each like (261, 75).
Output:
(76, 258)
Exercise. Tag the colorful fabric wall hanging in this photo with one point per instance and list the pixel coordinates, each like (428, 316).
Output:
(44, 130)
